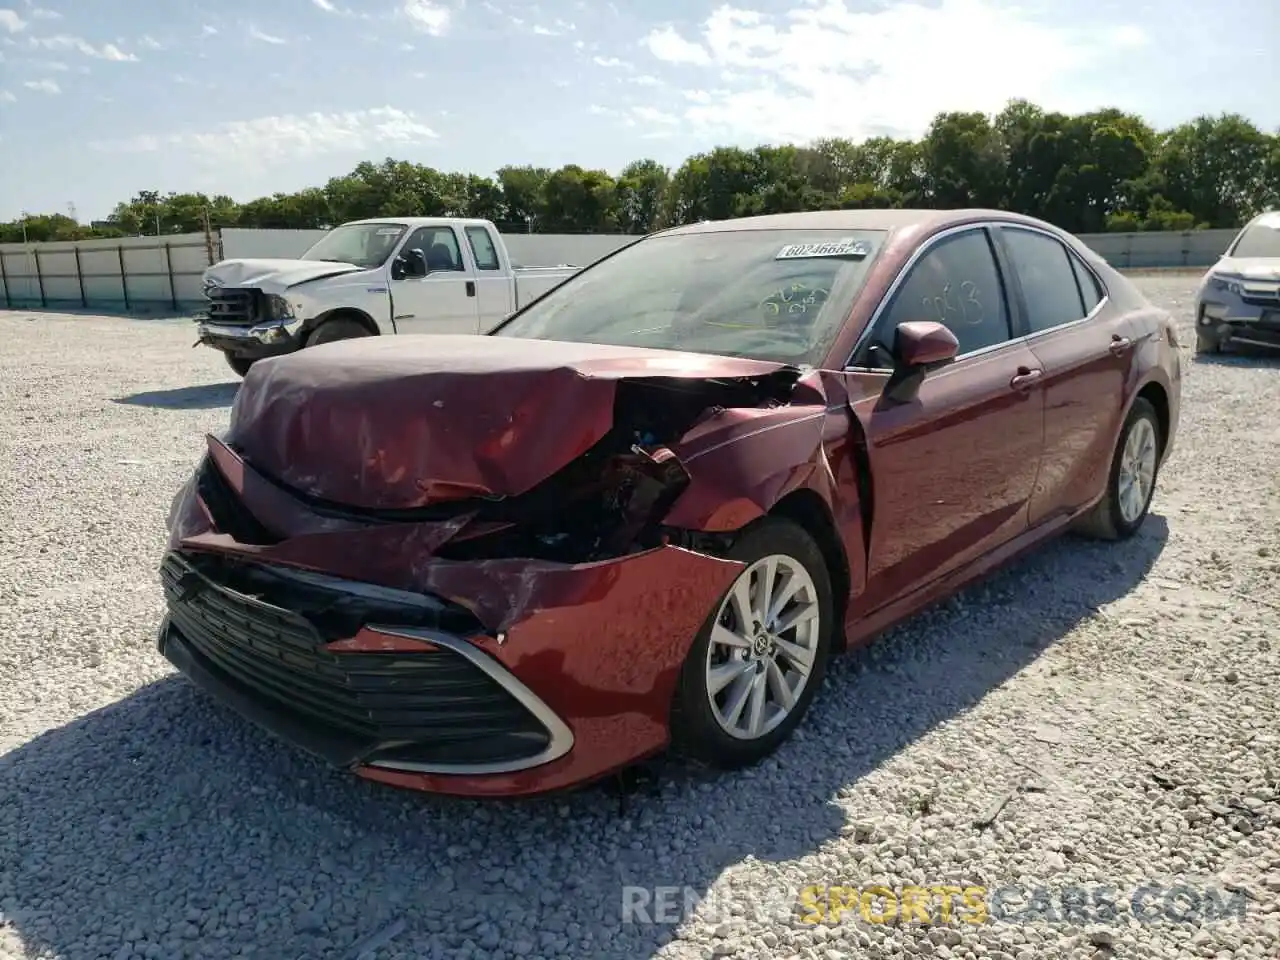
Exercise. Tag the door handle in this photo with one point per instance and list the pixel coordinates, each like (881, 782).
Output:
(1119, 344)
(1025, 378)
(471, 288)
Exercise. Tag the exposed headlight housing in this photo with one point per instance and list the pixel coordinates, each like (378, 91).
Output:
(278, 308)
(1225, 281)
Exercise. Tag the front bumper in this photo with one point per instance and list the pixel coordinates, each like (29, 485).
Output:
(546, 675)
(402, 697)
(256, 342)
(1227, 319)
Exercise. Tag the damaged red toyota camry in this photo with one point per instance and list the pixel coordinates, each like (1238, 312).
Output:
(651, 506)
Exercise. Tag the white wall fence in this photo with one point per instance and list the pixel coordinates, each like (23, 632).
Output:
(162, 274)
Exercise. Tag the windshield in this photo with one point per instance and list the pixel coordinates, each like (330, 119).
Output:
(1262, 239)
(779, 295)
(364, 244)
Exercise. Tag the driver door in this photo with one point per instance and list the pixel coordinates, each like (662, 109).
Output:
(443, 301)
(952, 471)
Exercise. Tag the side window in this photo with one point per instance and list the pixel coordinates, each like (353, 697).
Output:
(1048, 279)
(482, 248)
(1089, 291)
(956, 283)
(440, 244)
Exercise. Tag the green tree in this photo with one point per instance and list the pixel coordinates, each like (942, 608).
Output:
(1102, 170)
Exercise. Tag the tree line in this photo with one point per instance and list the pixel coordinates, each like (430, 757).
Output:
(1106, 170)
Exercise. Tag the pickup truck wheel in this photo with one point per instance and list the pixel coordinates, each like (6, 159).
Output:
(759, 659)
(1131, 481)
(339, 328)
(240, 365)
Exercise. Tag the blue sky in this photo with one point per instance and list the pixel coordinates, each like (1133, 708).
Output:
(102, 98)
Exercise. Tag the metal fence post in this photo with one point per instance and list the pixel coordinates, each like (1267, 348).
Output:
(124, 279)
(4, 278)
(173, 289)
(84, 301)
(39, 278)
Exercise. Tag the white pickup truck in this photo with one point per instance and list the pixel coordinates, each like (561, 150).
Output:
(369, 278)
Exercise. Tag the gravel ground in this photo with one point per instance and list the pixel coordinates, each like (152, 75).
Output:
(1121, 698)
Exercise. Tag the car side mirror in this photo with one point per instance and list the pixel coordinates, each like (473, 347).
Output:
(398, 271)
(919, 347)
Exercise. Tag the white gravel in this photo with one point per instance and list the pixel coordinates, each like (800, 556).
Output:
(1134, 686)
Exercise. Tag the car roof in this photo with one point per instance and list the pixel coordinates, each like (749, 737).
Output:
(421, 221)
(880, 219)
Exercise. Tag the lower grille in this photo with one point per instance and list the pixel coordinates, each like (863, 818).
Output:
(433, 707)
(233, 307)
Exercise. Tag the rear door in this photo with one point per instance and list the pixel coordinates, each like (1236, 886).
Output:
(444, 301)
(1085, 348)
(952, 471)
(495, 289)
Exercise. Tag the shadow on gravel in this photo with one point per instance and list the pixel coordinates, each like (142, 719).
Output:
(1241, 357)
(204, 397)
(164, 825)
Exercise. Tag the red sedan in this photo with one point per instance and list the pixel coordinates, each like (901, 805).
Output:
(649, 507)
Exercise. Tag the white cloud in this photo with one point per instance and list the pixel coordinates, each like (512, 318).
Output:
(40, 13)
(208, 31)
(646, 80)
(325, 5)
(148, 42)
(558, 29)
(43, 86)
(828, 70)
(654, 115)
(62, 41)
(610, 62)
(282, 138)
(665, 44)
(1128, 35)
(7, 97)
(10, 20)
(430, 18)
(256, 34)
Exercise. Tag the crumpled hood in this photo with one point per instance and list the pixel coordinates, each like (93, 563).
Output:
(274, 276)
(1250, 268)
(411, 421)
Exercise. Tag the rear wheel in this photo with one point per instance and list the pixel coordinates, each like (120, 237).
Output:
(757, 663)
(1132, 478)
(339, 328)
(240, 365)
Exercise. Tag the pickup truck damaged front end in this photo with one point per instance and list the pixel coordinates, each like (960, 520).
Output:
(459, 573)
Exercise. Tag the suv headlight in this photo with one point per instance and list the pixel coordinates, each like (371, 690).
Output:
(278, 308)
(1226, 282)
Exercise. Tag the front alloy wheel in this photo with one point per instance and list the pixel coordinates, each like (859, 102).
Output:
(757, 663)
(763, 647)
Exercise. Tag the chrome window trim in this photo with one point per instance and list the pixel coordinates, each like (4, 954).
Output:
(937, 238)
(561, 741)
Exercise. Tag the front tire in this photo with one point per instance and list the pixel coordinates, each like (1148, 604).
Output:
(338, 328)
(1207, 343)
(1131, 482)
(759, 660)
(240, 365)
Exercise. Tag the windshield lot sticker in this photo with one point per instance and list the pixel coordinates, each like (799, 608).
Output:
(388, 231)
(845, 247)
